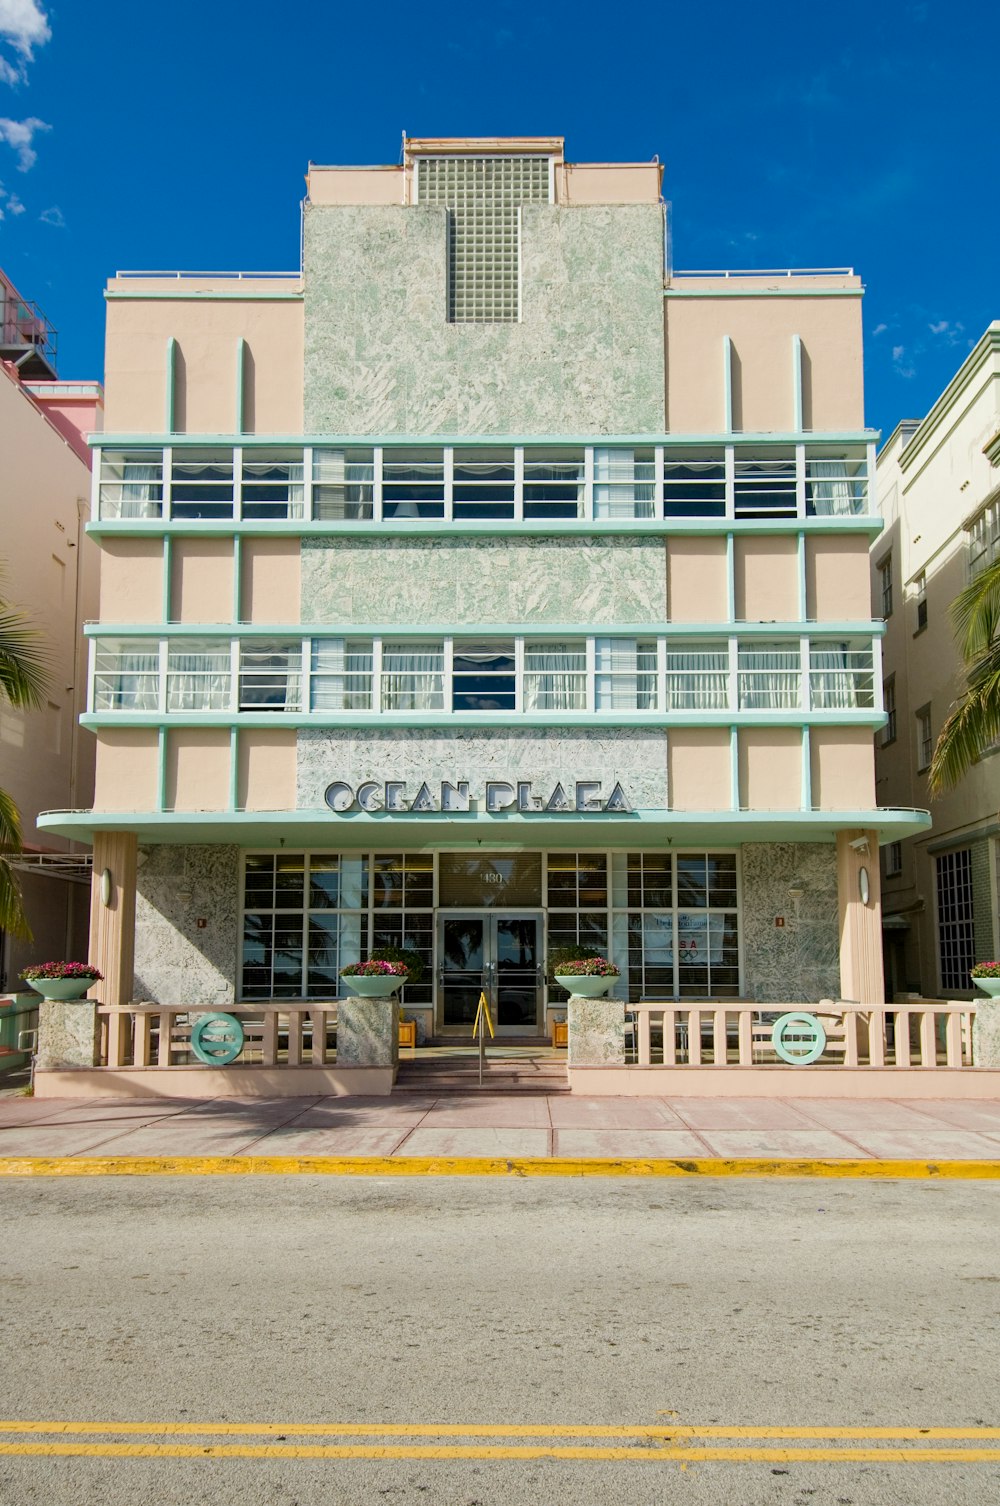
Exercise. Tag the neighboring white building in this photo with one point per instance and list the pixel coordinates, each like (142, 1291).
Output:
(48, 570)
(939, 494)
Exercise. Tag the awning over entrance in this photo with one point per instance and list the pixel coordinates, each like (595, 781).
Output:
(364, 830)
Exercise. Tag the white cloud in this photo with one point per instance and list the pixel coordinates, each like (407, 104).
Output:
(880, 329)
(23, 26)
(897, 352)
(938, 329)
(904, 367)
(9, 203)
(19, 133)
(53, 216)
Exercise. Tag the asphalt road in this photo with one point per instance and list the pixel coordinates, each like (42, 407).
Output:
(386, 1310)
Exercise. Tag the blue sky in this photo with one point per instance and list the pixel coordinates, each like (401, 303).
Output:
(859, 134)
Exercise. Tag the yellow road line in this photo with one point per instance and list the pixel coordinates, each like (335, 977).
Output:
(587, 1454)
(494, 1430)
(487, 1166)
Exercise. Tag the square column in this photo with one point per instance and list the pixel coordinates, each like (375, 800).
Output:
(596, 1032)
(112, 914)
(862, 979)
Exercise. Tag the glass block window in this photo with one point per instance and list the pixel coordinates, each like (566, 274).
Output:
(956, 919)
(199, 674)
(483, 196)
(676, 924)
(341, 674)
(126, 674)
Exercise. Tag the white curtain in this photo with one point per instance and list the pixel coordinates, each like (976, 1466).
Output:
(270, 677)
(555, 678)
(697, 679)
(412, 677)
(626, 675)
(127, 679)
(198, 679)
(840, 677)
(341, 675)
(770, 678)
(137, 492)
(261, 477)
(617, 493)
(832, 492)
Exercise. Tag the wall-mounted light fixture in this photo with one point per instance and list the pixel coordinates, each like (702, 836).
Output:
(863, 886)
(107, 887)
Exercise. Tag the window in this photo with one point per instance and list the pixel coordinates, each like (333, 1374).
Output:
(770, 676)
(955, 917)
(889, 702)
(841, 675)
(984, 539)
(624, 483)
(885, 585)
(413, 484)
(483, 485)
(925, 740)
(894, 860)
(413, 677)
(199, 675)
(304, 917)
(273, 484)
(836, 485)
(126, 674)
(555, 677)
(270, 675)
(765, 485)
(341, 675)
(201, 484)
(483, 677)
(554, 483)
(920, 598)
(697, 676)
(483, 196)
(694, 483)
(578, 900)
(678, 929)
(626, 674)
(343, 484)
(131, 484)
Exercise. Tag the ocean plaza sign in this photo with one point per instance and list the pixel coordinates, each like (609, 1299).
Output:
(499, 796)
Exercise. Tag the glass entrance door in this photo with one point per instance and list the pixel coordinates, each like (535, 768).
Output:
(499, 955)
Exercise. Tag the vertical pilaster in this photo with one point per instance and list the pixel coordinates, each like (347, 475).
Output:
(112, 923)
(861, 975)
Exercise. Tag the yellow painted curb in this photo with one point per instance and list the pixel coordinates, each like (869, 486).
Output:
(488, 1166)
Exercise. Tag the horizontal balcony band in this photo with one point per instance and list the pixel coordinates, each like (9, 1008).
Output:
(800, 628)
(492, 528)
(389, 831)
(509, 721)
(126, 440)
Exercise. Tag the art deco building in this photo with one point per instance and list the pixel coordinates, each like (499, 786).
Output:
(482, 587)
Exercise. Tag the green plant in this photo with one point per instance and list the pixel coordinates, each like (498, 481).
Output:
(973, 724)
(61, 970)
(560, 955)
(411, 960)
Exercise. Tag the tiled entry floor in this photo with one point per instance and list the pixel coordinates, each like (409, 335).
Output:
(507, 1126)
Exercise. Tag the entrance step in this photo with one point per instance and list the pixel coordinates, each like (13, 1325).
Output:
(441, 1072)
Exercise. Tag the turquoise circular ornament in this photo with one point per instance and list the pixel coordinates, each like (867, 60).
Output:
(799, 1039)
(217, 1039)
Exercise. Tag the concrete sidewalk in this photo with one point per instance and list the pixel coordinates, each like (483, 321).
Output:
(523, 1126)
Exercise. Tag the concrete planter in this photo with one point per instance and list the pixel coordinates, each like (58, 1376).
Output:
(374, 985)
(62, 988)
(989, 986)
(585, 987)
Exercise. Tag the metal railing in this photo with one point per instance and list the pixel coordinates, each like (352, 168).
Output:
(766, 272)
(214, 276)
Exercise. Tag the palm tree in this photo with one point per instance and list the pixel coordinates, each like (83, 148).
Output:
(22, 683)
(973, 725)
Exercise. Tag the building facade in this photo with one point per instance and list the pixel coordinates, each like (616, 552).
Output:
(939, 496)
(485, 587)
(48, 570)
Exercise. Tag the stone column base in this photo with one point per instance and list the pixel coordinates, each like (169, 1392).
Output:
(596, 1032)
(67, 1034)
(368, 1032)
(986, 1033)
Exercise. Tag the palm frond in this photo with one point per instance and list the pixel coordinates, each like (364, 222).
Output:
(975, 612)
(972, 726)
(23, 676)
(12, 917)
